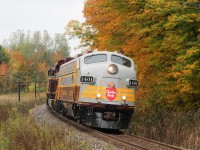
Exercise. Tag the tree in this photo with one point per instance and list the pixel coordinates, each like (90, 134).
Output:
(4, 57)
(32, 54)
(61, 45)
(83, 31)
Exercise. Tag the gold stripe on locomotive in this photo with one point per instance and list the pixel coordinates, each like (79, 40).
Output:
(92, 91)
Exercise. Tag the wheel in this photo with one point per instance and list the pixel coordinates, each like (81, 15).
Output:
(53, 105)
(47, 102)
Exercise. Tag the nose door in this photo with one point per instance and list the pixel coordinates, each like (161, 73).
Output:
(111, 85)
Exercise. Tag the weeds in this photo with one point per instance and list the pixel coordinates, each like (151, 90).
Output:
(19, 131)
(5, 111)
(176, 128)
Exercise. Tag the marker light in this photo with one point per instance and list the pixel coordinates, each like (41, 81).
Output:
(98, 95)
(112, 69)
(123, 98)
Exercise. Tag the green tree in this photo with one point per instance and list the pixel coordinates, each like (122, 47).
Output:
(83, 31)
(4, 57)
(61, 45)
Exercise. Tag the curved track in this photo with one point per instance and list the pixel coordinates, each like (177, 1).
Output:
(120, 140)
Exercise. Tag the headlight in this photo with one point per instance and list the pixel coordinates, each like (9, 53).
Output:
(123, 98)
(98, 95)
(112, 69)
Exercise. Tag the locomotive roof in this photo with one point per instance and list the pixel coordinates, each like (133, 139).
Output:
(104, 52)
(80, 56)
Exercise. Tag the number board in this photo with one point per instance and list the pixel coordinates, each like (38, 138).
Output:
(86, 79)
(133, 83)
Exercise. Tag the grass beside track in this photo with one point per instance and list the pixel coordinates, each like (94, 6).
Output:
(19, 131)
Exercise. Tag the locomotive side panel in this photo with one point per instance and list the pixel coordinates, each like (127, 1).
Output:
(68, 89)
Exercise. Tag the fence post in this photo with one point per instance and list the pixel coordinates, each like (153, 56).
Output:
(19, 89)
(35, 87)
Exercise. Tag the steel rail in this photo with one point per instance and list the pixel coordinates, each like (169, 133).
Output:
(164, 145)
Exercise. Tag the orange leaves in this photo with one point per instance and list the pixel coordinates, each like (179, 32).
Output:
(3, 69)
(17, 57)
(57, 56)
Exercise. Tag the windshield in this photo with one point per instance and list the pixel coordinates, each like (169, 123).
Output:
(95, 58)
(121, 60)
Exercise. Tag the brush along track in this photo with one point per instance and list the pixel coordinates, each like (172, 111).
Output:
(120, 140)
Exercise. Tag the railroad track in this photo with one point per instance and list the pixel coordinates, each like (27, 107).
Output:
(147, 143)
(120, 140)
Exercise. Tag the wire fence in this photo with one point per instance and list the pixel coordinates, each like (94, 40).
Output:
(18, 86)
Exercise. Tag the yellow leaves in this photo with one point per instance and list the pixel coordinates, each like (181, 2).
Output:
(177, 74)
(192, 66)
(147, 11)
(193, 51)
(57, 56)
(187, 72)
(186, 88)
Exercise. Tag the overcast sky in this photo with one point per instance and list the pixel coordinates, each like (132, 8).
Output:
(50, 15)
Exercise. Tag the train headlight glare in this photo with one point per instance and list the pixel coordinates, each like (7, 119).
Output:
(98, 95)
(112, 69)
(123, 98)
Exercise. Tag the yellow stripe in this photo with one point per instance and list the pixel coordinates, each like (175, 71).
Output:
(67, 86)
(127, 95)
(89, 96)
(89, 92)
(95, 88)
(120, 90)
(93, 92)
(93, 96)
(130, 99)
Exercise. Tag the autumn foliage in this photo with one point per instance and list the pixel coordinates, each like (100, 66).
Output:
(28, 58)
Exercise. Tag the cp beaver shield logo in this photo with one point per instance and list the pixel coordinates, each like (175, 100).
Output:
(111, 91)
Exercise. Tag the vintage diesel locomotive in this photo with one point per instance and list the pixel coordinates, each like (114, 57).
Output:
(96, 89)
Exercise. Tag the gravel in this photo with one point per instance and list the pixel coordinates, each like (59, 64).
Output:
(41, 115)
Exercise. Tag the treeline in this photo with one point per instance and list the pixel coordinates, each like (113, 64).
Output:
(28, 57)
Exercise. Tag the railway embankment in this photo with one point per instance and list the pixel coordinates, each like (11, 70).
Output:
(82, 139)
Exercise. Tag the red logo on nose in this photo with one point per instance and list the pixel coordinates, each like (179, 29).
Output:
(111, 91)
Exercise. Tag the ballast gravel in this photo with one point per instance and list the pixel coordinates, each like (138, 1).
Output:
(40, 114)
